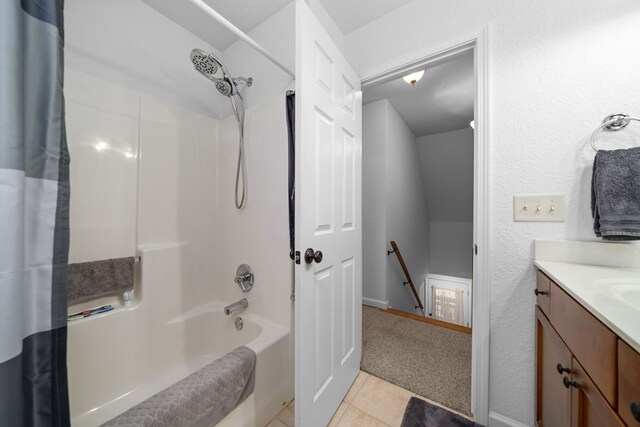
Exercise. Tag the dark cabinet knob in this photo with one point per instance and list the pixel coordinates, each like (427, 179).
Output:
(635, 410)
(562, 370)
(568, 383)
(310, 256)
(539, 292)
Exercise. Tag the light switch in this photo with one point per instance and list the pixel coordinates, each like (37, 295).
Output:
(539, 208)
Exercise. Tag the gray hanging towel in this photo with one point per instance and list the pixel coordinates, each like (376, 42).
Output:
(615, 194)
(94, 279)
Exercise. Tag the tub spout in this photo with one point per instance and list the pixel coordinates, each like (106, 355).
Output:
(243, 303)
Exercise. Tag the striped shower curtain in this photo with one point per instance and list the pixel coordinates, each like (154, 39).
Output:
(34, 216)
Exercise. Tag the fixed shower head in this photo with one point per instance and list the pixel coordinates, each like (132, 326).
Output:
(204, 62)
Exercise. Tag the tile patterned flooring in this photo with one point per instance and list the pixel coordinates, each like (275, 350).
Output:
(370, 402)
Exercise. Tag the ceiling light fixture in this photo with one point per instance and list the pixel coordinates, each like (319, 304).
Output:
(472, 124)
(413, 77)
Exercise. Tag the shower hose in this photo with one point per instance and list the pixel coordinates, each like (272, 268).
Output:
(241, 170)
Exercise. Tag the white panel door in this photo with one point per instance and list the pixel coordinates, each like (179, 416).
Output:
(328, 318)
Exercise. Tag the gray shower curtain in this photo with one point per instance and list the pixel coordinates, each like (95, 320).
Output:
(34, 216)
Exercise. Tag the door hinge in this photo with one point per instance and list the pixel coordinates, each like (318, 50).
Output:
(475, 249)
(297, 257)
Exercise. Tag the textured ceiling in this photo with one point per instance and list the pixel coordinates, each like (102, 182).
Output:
(441, 101)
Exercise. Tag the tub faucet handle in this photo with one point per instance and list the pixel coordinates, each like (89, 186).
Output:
(244, 277)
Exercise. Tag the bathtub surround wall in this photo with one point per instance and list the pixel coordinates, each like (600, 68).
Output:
(392, 179)
(259, 234)
(175, 246)
(152, 58)
(103, 126)
(447, 170)
(555, 72)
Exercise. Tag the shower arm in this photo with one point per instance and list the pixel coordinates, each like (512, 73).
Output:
(246, 81)
(235, 30)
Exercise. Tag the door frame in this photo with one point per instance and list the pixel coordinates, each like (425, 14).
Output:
(476, 40)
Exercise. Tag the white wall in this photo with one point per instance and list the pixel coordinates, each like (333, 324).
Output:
(374, 218)
(450, 246)
(446, 160)
(392, 180)
(556, 70)
(407, 214)
(448, 157)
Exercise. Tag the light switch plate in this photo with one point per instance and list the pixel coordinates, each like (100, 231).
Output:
(539, 208)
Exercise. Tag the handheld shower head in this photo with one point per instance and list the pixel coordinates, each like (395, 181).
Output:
(224, 87)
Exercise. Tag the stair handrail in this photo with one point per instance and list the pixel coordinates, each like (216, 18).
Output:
(396, 251)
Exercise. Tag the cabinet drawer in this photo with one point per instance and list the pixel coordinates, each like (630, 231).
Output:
(591, 342)
(542, 286)
(628, 384)
(588, 407)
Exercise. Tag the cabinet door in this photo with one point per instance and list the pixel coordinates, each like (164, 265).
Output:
(589, 408)
(553, 408)
(628, 384)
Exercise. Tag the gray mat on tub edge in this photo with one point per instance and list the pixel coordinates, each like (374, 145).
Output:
(200, 400)
(420, 413)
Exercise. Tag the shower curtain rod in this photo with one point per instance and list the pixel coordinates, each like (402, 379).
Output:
(238, 32)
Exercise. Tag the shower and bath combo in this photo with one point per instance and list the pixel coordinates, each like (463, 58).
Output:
(208, 65)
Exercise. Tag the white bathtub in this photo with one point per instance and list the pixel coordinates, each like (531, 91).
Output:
(120, 358)
(108, 375)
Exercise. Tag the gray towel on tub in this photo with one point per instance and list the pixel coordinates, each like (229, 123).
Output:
(87, 280)
(615, 194)
(200, 400)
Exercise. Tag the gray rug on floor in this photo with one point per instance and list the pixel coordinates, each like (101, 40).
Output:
(423, 414)
(429, 360)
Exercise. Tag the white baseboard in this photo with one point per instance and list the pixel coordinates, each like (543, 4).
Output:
(375, 303)
(497, 420)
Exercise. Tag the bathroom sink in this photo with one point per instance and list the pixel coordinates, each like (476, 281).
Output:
(626, 291)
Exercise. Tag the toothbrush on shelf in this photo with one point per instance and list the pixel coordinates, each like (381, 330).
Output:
(90, 312)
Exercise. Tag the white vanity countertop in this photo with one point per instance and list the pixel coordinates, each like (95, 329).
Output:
(609, 293)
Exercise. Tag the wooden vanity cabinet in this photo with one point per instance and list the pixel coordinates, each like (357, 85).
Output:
(585, 375)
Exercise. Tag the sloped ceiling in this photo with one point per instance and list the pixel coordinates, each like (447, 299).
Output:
(441, 101)
(350, 15)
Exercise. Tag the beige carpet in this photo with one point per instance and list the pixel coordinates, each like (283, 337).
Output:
(428, 360)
